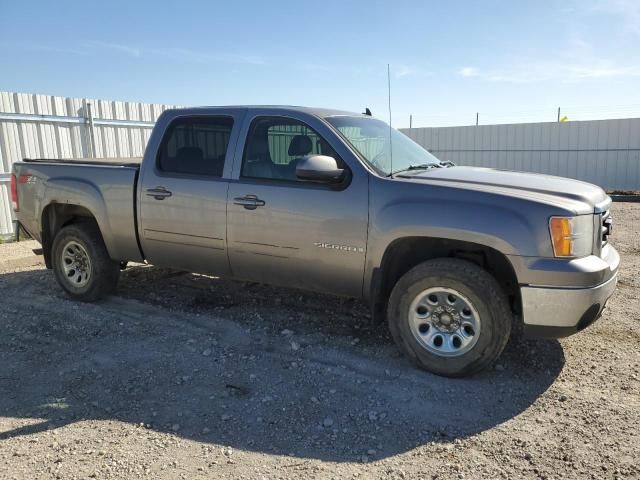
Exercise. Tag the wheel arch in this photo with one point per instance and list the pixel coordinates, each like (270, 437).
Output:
(402, 254)
(56, 216)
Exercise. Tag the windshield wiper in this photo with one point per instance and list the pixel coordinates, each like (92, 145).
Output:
(422, 166)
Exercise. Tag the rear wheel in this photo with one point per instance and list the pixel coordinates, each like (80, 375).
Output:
(81, 263)
(449, 317)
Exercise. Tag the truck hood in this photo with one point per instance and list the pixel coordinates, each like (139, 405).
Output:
(581, 197)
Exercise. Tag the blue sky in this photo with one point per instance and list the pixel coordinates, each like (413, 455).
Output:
(508, 60)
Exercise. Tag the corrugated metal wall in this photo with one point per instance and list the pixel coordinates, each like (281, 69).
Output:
(604, 152)
(57, 127)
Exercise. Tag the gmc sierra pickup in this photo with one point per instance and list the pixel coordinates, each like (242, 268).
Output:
(453, 257)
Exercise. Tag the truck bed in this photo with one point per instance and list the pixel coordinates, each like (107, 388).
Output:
(104, 187)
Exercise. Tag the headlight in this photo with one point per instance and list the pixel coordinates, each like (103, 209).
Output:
(571, 236)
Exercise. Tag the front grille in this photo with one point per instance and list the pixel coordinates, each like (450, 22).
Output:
(606, 227)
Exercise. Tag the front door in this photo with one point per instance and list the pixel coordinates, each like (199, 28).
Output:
(291, 232)
(183, 196)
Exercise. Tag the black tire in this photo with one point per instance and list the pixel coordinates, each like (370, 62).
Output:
(484, 293)
(103, 277)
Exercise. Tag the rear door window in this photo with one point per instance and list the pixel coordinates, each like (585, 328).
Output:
(196, 146)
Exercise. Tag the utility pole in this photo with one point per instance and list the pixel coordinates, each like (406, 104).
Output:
(558, 114)
(477, 116)
(410, 121)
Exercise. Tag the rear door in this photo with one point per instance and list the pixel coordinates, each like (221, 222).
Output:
(290, 232)
(183, 193)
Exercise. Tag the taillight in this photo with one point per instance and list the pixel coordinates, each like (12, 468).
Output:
(14, 193)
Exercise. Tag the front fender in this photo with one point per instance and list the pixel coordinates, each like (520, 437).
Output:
(512, 226)
(501, 228)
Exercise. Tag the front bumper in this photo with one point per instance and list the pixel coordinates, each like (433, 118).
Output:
(555, 312)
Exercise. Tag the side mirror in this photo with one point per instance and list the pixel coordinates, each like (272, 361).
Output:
(319, 168)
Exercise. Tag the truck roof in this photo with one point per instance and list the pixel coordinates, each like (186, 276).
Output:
(319, 112)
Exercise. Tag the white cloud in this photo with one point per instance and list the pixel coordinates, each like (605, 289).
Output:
(559, 70)
(194, 56)
(469, 72)
(313, 67)
(628, 12)
(402, 71)
(126, 49)
(43, 48)
(182, 54)
(578, 57)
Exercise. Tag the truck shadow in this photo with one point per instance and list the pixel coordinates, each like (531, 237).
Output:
(247, 366)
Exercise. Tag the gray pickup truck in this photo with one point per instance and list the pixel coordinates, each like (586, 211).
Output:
(455, 258)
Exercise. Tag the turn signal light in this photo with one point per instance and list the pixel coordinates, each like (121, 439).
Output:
(560, 228)
(572, 236)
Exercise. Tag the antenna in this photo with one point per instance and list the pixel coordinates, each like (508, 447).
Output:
(390, 128)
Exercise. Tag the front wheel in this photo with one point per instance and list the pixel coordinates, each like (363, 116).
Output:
(81, 263)
(449, 317)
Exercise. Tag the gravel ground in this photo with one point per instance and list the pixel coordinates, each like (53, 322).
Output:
(189, 376)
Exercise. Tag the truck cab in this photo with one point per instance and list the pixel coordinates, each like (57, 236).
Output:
(194, 216)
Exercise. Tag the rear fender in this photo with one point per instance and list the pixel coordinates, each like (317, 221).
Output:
(73, 191)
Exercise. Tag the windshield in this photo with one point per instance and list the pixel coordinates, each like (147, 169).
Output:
(370, 137)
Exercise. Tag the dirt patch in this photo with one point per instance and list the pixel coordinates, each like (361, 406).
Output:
(189, 376)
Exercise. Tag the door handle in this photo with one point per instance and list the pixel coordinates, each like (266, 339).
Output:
(159, 193)
(250, 202)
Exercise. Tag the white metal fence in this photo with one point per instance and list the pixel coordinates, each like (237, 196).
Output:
(604, 152)
(42, 126)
